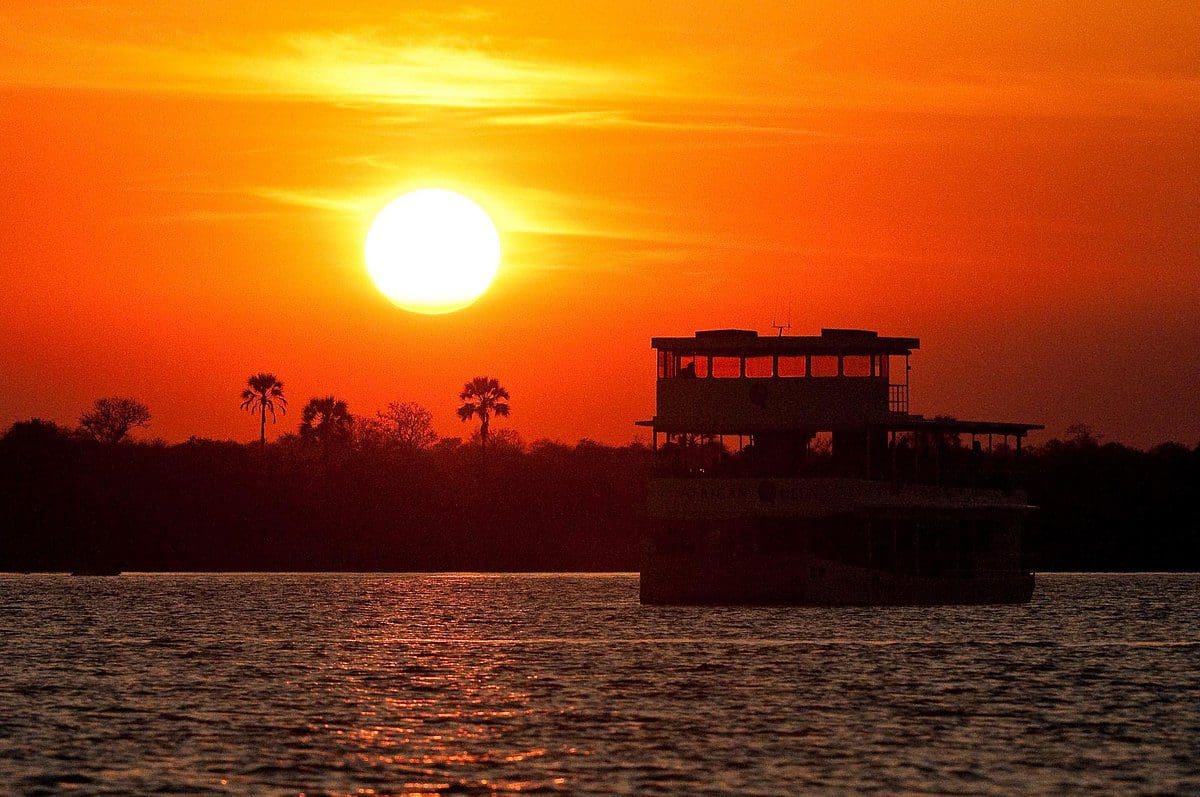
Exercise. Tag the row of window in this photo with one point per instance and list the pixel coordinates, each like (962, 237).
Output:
(673, 364)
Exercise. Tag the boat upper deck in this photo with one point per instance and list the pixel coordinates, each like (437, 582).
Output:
(782, 391)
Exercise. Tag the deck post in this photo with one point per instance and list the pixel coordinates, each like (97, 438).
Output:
(916, 459)
(868, 456)
(893, 453)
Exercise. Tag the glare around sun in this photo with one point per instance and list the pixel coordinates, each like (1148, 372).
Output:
(432, 251)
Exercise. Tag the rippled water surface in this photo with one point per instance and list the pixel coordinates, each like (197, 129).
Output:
(472, 683)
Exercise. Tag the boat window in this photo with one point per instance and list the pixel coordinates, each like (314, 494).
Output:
(760, 367)
(691, 365)
(666, 364)
(856, 365)
(793, 365)
(726, 367)
(824, 365)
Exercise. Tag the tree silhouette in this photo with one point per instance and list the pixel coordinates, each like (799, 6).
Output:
(1082, 435)
(326, 420)
(483, 397)
(406, 425)
(35, 432)
(262, 393)
(502, 440)
(111, 419)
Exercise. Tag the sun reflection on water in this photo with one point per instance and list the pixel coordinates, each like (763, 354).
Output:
(562, 684)
(429, 710)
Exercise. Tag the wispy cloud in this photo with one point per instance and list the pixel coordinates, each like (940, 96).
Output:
(524, 210)
(310, 200)
(515, 81)
(471, 96)
(343, 67)
(684, 120)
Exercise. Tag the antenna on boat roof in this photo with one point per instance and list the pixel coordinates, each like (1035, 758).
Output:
(777, 326)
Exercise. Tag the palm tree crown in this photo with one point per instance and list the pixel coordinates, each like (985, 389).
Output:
(483, 397)
(326, 420)
(263, 393)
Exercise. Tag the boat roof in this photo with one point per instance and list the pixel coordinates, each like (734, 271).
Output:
(919, 423)
(747, 342)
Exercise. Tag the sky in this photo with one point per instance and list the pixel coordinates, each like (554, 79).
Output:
(186, 188)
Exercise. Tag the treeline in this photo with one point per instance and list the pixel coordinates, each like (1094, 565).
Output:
(378, 502)
(1105, 507)
(67, 502)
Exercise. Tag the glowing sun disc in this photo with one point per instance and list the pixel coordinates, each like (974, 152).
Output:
(432, 251)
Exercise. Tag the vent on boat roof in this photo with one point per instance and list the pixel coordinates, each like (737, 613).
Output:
(726, 333)
(849, 333)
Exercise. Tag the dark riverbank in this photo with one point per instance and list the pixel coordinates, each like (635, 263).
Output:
(219, 506)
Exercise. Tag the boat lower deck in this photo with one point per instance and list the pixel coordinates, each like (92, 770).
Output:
(923, 555)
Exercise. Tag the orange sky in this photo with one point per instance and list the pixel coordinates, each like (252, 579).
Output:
(185, 190)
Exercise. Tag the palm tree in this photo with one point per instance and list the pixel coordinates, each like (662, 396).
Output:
(262, 394)
(326, 420)
(483, 397)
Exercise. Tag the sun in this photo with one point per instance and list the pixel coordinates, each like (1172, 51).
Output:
(432, 251)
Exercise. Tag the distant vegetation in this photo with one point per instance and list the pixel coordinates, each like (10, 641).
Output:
(263, 394)
(112, 419)
(369, 502)
(383, 492)
(1105, 506)
(482, 398)
(378, 492)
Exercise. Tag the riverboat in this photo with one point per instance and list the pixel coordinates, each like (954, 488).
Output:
(789, 470)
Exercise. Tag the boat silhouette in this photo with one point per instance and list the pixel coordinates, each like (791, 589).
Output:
(835, 494)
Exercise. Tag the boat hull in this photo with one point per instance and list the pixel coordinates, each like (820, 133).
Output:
(832, 542)
(813, 581)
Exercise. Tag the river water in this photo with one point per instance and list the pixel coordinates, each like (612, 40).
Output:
(564, 683)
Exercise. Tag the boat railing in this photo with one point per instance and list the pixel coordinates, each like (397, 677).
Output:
(953, 468)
